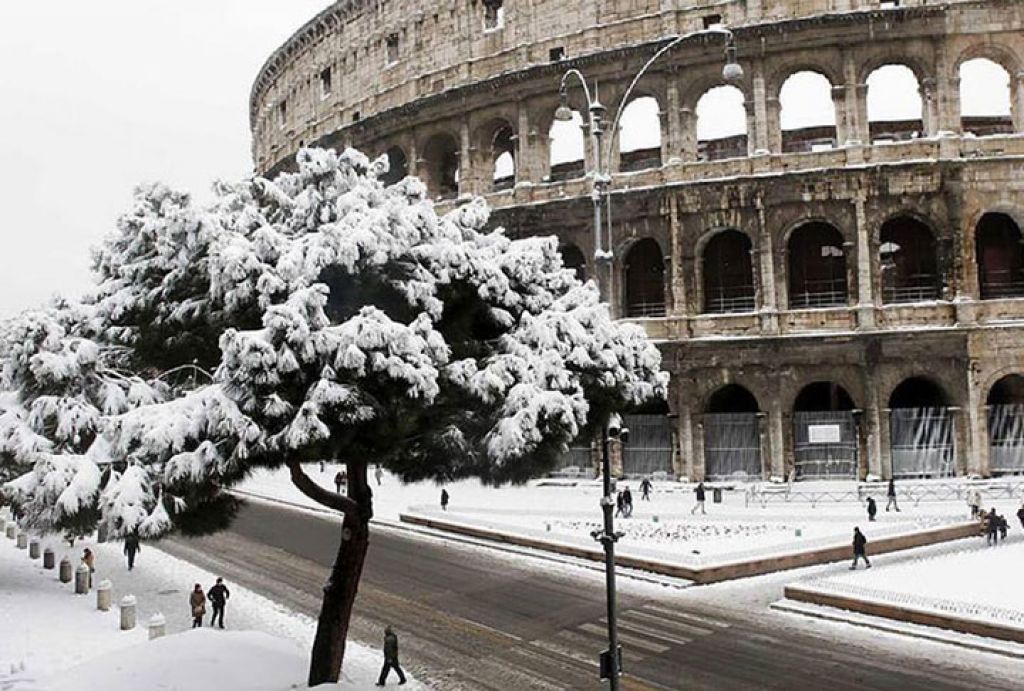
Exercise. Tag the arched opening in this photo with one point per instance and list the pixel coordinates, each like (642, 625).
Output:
(825, 441)
(1006, 425)
(728, 273)
(894, 104)
(398, 166)
(441, 166)
(985, 98)
(808, 115)
(645, 280)
(567, 148)
(1000, 256)
(909, 265)
(640, 135)
(721, 124)
(920, 430)
(816, 266)
(503, 152)
(648, 453)
(732, 435)
(572, 258)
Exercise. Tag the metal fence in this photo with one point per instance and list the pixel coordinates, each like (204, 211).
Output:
(576, 462)
(921, 440)
(649, 449)
(825, 445)
(732, 446)
(1006, 439)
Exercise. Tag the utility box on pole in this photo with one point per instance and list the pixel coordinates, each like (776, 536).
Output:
(606, 663)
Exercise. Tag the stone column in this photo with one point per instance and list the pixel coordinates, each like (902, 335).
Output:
(839, 105)
(929, 106)
(672, 140)
(773, 107)
(698, 464)
(865, 284)
(1017, 101)
(128, 608)
(858, 132)
(686, 445)
(469, 172)
(759, 138)
(529, 163)
(876, 422)
(766, 253)
(963, 442)
(688, 134)
(977, 457)
(776, 438)
(680, 308)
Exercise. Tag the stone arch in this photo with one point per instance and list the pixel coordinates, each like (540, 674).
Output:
(816, 266)
(895, 106)
(807, 115)
(921, 434)
(441, 167)
(727, 272)
(826, 443)
(640, 135)
(567, 150)
(1005, 404)
(917, 391)
(999, 252)
(731, 426)
(908, 260)
(722, 123)
(986, 99)
(644, 284)
(731, 398)
(398, 165)
(572, 258)
(823, 395)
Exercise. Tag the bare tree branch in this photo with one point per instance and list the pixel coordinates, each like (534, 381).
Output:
(320, 495)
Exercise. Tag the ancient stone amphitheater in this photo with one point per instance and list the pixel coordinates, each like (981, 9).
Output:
(835, 298)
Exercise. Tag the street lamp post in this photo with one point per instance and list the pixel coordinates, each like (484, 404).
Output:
(611, 660)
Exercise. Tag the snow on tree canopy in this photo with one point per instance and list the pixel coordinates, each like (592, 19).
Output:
(352, 323)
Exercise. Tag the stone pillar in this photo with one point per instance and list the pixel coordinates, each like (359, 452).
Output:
(1017, 101)
(33, 548)
(128, 606)
(773, 108)
(759, 138)
(766, 255)
(469, 172)
(699, 462)
(688, 134)
(865, 284)
(157, 626)
(11, 530)
(977, 456)
(929, 106)
(855, 108)
(104, 595)
(962, 439)
(82, 578)
(65, 570)
(529, 166)
(672, 140)
(48, 559)
(680, 308)
(22, 540)
(839, 105)
(776, 438)
(686, 445)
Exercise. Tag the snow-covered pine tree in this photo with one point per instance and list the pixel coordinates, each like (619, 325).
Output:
(365, 329)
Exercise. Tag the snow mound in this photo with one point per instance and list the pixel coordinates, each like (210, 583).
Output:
(197, 660)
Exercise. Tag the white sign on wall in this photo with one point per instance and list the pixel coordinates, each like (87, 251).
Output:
(824, 434)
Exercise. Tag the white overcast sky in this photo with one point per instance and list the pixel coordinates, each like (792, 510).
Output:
(98, 96)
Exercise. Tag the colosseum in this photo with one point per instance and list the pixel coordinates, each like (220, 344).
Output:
(840, 297)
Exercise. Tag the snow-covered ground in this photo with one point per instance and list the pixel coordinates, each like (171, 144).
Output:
(968, 579)
(662, 528)
(51, 639)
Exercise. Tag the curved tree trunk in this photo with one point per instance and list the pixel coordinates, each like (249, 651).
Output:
(343, 583)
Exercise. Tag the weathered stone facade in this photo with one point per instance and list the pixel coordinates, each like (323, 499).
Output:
(818, 279)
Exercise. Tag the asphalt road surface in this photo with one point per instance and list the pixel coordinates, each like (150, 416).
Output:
(474, 618)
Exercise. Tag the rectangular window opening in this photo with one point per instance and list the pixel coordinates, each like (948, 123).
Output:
(325, 83)
(494, 14)
(556, 54)
(712, 21)
(888, 4)
(391, 47)
(282, 114)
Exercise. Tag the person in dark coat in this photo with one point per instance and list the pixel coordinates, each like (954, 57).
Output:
(620, 504)
(197, 601)
(627, 502)
(699, 492)
(872, 509)
(339, 480)
(892, 496)
(860, 544)
(645, 489)
(390, 658)
(1020, 515)
(131, 548)
(444, 499)
(992, 527)
(1003, 527)
(218, 596)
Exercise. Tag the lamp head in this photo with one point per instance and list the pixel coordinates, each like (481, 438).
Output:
(731, 72)
(563, 113)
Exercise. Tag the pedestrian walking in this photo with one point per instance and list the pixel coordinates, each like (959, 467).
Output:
(974, 502)
(992, 527)
(620, 504)
(1020, 515)
(218, 596)
(131, 548)
(891, 494)
(627, 502)
(1003, 527)
(860, 544)
(645, 489)
(390, 658)
(379, 474)
(89, 559)
(339, 480)
(872, 508)
(197, 603)
(444, 499)
(322, 466)
(699, 492)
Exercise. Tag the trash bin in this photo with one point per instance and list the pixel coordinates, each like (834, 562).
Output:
(716, 495)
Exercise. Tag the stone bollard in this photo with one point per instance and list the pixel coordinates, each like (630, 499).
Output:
(157, 626)
(128, 613)
(12, 530)
(22, 540)
(33, 548)
(82, 580)
(101, 533)
(48, 558)
(104, 595)
(3, 522)
(65, 570)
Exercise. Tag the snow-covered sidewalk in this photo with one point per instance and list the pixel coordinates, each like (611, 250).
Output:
(54, 640)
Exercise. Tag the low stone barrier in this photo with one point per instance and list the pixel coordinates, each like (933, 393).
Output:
(904, 613)
(711, 573)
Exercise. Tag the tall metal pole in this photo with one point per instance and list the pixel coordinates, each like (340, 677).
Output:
(608, 539)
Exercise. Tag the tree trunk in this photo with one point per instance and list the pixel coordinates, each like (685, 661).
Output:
(343, 583)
